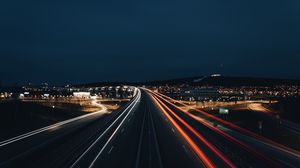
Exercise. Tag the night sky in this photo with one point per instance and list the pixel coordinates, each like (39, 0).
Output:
(76, 41)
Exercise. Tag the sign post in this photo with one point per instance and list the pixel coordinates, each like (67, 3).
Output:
(224, 112)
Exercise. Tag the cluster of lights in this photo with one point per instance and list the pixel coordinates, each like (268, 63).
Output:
(48, 92)
(204, 93)
(5, 95)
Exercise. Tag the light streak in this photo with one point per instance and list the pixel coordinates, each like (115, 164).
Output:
(227, 136)
(200, 137)
(129, 107)
(233, 126)
(50, 127)
(193, 145)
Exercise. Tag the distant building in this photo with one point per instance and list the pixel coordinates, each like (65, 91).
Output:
(202, 93)
(199, 94)
(82, 94)
(216, 75)
(5, 95)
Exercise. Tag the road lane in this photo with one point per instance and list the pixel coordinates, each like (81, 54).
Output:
(267, 151)
(148, 132)
(234, 127)
(148, 141)
(137, 135)
(204, 143)
(45, 145)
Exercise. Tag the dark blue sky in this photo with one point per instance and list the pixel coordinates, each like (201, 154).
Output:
(134, 40)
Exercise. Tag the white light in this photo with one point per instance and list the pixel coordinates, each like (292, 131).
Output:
(82, 94)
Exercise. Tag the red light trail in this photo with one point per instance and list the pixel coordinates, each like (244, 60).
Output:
(225, 135)
(206, 161)
(200, 137)
(243, 130)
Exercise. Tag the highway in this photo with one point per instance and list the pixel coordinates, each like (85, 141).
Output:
(241, 146)
(151, 131)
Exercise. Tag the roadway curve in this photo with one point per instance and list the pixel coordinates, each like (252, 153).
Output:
(149, 132)
(137, 135)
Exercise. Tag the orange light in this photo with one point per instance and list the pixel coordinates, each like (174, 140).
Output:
(250, 133)
(196, 149)
(200, 137)
(227, 136)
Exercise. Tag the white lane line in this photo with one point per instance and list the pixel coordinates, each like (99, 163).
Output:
(137, 161)
(155, 139)
(183, 146)
(97, 140)
(29, 134)
(287, 163)
(113, 134)
(110, 150)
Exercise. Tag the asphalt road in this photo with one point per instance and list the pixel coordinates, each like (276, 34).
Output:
(242, 149)
(135, 136)
(57, 146)
(148, 132)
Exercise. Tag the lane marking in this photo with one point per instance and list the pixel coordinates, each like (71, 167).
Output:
(155, 140)
(113, 134)
(133, 103)
(199, 153)
(183, 146)
(110, 150)
(228, 137)
(50, 127)
(137, 161)
(235, 127)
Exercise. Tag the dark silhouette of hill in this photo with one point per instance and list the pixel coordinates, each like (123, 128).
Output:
(206, 81)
